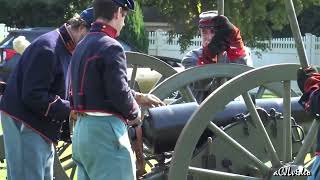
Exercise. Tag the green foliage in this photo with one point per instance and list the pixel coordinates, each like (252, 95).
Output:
(53, 13)
(22, 13)
(308, 20)
(134, 32)
(257, 19)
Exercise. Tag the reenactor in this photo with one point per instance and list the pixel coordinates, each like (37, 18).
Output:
(221, 43)
(34, 114)
(102, 99)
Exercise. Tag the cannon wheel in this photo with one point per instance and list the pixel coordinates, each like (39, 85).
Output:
(204, 118)
(184, 78)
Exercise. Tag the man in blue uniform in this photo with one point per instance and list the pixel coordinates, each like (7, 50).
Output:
(102, 98)
(34, 112)
(309, 83)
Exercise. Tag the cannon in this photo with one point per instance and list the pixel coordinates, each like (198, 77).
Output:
(163, 125)
(255, 153)
(230, 138)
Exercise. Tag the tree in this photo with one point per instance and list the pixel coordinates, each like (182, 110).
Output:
(45, 13)
(134, 32)
(308, 20)
(257, 19)
(30, 13)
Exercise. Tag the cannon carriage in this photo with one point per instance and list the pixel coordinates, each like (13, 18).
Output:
(261, 138)
(222, 138)
(237, 138)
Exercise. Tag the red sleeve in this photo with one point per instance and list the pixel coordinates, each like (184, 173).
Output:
(236, 49)
(310, 100)
(312, 83)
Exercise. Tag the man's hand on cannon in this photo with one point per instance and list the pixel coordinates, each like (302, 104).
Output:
(148, 100)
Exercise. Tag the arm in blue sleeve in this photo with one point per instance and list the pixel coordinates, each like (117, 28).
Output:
(191, 58)
(116, 83)
(37, 78)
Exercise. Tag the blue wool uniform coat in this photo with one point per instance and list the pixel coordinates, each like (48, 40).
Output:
(99, 75)
(36, 87)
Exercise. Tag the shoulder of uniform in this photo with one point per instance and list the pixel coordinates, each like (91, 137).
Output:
(48, 41)
(112, 44)
(194, 53)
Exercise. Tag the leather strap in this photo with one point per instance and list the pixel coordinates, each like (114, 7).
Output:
(137, 146)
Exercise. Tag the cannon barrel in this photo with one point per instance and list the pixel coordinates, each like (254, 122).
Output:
(162, 126)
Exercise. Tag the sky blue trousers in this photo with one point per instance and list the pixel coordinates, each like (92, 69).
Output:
(101, 149)
(315, 170)
(28, 155)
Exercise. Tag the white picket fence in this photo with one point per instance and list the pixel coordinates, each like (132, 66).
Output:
(282, 50)
(4, 31)
(160, 45)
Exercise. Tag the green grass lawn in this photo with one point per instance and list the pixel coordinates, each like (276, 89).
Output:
(3, 171)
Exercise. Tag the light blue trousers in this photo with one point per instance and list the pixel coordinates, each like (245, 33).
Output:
(28, 155)
(315, 170)
(101, 149)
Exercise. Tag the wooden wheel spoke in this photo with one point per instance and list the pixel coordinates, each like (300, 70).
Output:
(287, 134)
(133, 76)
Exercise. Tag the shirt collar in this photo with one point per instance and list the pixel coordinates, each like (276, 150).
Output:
(66, 38)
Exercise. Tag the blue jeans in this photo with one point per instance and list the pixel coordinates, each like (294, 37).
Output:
(315, 174)
(28, 155)
(101, 149)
